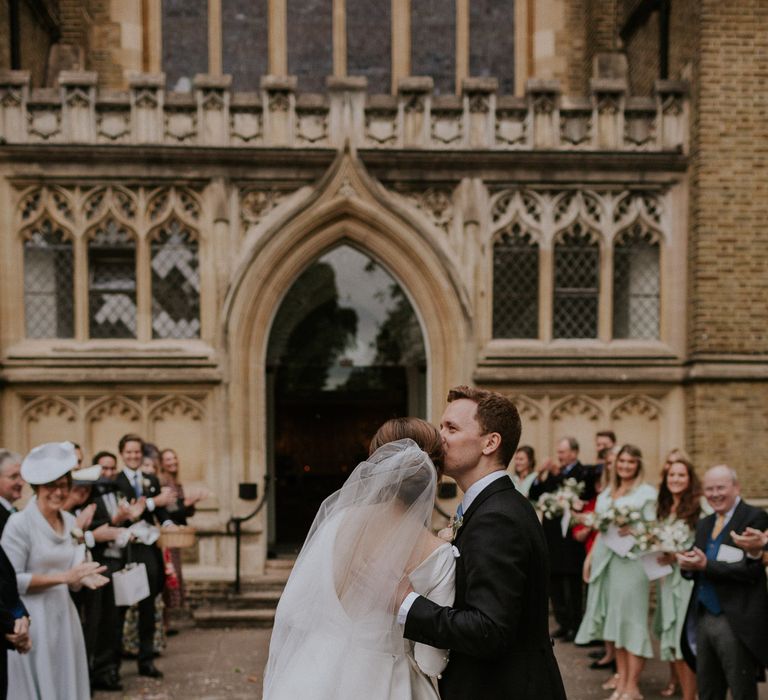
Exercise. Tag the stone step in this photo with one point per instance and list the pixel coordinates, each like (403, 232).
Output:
(225, 617)
(250, 600)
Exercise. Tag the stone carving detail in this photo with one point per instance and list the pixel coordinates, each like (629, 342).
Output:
(213, 100)
(30, 203)
(576, 406)
(527, 409)
(255, 204)
(544, 103)
(575, 127)
(10, 97)
(147, 98)
(479, 103)
(113, 125)
(415, 102)
(47, 407)
(312, 127)
(511, 127)
(245, 127)
(636, 406)
(436, 203)
(609, 103)
(279, 101)
(381, 127)
(632, 205)
(639, 128)
(77, 98)
(115, 406)
(171, 406)
(447, 127)
(181, 125)
(45, 123)
(672, 105)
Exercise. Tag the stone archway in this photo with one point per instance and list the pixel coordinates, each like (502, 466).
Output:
(347, 206)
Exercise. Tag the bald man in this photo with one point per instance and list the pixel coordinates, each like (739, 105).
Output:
(726, 630)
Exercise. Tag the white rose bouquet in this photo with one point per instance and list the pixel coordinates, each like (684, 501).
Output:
(552, 505)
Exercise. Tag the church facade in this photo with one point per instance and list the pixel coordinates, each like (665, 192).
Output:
(252, 231)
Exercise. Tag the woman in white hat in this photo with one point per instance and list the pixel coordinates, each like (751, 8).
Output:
(43, 549)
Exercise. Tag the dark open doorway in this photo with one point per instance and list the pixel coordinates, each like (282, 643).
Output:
(346, 353)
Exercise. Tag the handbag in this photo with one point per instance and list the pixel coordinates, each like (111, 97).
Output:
(130, 584)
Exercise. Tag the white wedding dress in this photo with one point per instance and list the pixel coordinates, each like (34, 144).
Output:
(336, 635)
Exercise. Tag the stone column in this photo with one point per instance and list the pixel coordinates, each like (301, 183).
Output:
(279, 100)
(672, 114)
(608, 102)
(147, 100)
(14, 93)
(480, 111)
(213, 96)
(544, 109)
(346, 117)
(414, 108)
(78, 101)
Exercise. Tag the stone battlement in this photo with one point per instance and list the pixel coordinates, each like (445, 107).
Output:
(608, 120)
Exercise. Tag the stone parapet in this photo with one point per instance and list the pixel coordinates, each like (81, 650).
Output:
(608, 120)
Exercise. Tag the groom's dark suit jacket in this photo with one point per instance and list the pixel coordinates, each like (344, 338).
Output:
(497, 630)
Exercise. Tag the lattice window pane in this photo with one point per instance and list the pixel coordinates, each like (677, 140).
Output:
(515, 285)
(636, 285)
(175, 284)
(48, 283)
(112, 282)
(577, 275)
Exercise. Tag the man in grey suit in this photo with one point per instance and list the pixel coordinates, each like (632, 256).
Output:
(726, 631)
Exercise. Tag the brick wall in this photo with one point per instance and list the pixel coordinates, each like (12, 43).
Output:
(727, 424)
(602, 30)
(729, 238)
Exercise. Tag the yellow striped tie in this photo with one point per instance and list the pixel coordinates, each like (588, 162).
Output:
(719, 524)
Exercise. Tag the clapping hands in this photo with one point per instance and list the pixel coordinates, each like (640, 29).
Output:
(85, 517)
(87, 573)
(752, 541)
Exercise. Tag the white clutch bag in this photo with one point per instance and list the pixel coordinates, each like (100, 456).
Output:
(131, 584)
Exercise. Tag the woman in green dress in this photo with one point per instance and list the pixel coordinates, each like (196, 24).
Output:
(524, 462)
(679, 500)
(617, 605)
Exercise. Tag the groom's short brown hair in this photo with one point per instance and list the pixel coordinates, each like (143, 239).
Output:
(495, 414)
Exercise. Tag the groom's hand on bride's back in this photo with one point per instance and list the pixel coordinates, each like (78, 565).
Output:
(404, 588)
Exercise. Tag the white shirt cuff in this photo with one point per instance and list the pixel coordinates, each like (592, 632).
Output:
(402, 614)
(168, 523)
(89, 539)
(151, 505)
(759, 555)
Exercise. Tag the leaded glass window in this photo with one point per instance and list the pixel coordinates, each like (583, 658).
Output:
(433, 42)
(577, 275)
(636, 284)
(48, 282)
(310, 42)
(515, 284)
(112, 282)
(175, 283)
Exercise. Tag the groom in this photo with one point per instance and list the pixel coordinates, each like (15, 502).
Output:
(497, 630)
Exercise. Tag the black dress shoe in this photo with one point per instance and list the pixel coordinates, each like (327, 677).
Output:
(597, 653)
(569, 636)
(150, 670)
(559, 632)
(604, 667)
(110, 684)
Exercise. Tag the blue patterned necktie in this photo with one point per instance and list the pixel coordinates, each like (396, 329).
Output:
(460, 512)
(137, 485)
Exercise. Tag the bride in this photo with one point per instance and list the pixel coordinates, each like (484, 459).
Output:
(336, 636)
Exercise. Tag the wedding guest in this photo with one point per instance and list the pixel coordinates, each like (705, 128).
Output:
(617, 603)
(524, 463)
(14, 620)
(566, 555)
(11, 484)
(604, 440)
(726, 638)
(679, 501)
(181, 507)
(49, 563)
(141, 487)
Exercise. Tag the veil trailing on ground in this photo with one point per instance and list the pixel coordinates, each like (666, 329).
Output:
(336, 620)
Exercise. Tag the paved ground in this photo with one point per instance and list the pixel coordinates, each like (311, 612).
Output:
(228, 665)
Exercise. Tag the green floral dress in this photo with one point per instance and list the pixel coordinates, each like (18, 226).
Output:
(617, 600)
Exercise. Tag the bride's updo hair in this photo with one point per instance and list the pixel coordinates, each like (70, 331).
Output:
(424, 434)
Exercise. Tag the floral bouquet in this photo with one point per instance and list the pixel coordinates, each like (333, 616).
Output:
(552, 505)
(620, 516)
(665, 536)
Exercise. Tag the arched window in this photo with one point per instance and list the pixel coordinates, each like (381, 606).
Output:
(112, 282)
(175, 283)
(636, 284)
(244, 33)
(492, 41)
(515, 284)
(310, 42)
(433, 42)
(577, 281)
(369, 42)
(48, 282)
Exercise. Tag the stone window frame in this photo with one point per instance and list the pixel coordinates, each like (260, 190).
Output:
(81, 209)
(608, 211)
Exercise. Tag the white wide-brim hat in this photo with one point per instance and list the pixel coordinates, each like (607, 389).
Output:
(47, 462)
(86, 477)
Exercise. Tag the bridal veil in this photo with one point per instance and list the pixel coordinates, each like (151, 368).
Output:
(336, 633)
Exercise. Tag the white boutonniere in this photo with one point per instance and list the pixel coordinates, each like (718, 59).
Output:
(449, 533)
